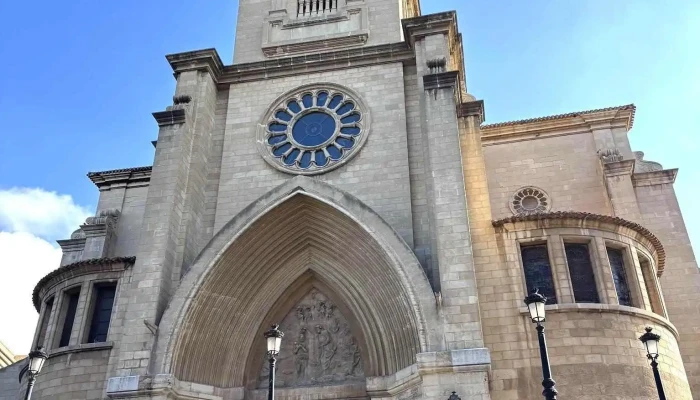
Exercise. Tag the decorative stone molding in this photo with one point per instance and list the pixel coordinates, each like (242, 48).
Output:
(437, 65)
(557, 125)
(596, 308)
(618, 168)
(78, 234)
(530, 200)
(609, 155)
(286, 33)
(645, 166)
(441, 80)
(126, 177)
(663, 177)
(589, 220)
(472, 108)
(78, 268)
(106, 217)
(313, 129)
(182, 99)
(171, 116)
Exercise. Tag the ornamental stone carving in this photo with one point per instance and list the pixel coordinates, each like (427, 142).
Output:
(609, 155)
(313, 129)
(641, 165)
(318, 347)
(529, 200)
(104, 217)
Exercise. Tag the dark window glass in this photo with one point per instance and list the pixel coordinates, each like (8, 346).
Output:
(581, 272)
(45, 322)
(71, 306)
(313, 129)
(104, 301)
(617, 263)
(538, 272)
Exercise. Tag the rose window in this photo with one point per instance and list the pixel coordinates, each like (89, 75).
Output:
(530, 200)
(312, 131)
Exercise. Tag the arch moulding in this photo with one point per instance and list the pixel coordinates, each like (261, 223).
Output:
(377, 277)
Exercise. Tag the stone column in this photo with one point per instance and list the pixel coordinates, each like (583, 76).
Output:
(680, 280)
(171, 233)
(463, 366)
(618, 182)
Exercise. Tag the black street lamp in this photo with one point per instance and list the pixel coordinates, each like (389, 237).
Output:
(535, 305)
(36, 361)
(651, 344)
(274, 341)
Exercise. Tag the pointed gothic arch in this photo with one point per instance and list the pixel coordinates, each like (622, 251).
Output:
(300, 229)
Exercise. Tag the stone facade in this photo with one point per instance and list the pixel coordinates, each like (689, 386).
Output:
(383, 230)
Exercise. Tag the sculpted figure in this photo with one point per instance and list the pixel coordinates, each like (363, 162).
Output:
(326, 349)
(301, 355)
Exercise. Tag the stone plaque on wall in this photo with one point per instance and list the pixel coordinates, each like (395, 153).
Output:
(318, 347)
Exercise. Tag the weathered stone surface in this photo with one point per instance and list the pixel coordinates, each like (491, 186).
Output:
(318, 347)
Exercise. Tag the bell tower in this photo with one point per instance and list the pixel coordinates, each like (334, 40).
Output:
(270, 29)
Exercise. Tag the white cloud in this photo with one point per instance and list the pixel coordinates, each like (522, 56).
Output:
(39, 212)
(30, 221)
(25, 259)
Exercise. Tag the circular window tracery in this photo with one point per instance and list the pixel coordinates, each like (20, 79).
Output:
(530, 200)
(313, 130)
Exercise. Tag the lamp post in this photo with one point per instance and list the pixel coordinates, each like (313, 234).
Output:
(535, 305)
(651, 344)
(274, 341)
(36, 361)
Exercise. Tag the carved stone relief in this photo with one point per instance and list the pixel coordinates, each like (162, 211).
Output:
(642, 165)
(318, 347)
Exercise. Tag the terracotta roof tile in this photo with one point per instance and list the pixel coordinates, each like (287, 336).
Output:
(562, 116)
(75, 265)
(597, 217)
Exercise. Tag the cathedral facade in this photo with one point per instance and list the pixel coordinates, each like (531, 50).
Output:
(339, 179)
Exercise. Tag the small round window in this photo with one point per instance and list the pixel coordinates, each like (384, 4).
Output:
(313, 129)
(530, 200)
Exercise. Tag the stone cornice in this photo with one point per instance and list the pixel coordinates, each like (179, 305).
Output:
(417, 27)
(198, 60)
(559, 125)
(472, 109)
(170, 117)
(440, 80)
(78, 268)
(127, 177)
(666, 176)
(617, 168)
(208, 60)
(587, 220)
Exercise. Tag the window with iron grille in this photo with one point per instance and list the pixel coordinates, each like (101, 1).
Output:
(538, 271)
(583, 283)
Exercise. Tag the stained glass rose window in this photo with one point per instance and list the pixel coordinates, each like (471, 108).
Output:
(529, 200)
(313, 129)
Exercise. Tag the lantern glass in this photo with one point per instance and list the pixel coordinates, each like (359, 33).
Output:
(652, 346)
(36, 360)
(274, 344)
(536, 310)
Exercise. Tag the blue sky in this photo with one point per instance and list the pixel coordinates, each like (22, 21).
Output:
(79, 80)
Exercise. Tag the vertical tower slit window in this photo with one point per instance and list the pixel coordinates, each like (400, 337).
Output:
(578, 259)
(102, 312)
(538, 271)
(617, 264)
(48, 306)
(70, 305)
(650, 285)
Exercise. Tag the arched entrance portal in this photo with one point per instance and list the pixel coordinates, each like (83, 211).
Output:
(303, 248)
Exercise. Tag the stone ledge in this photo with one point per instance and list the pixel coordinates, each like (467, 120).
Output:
(80, 348)
(663, 177)
(170, 117)
(441, 80)
(608, 308)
